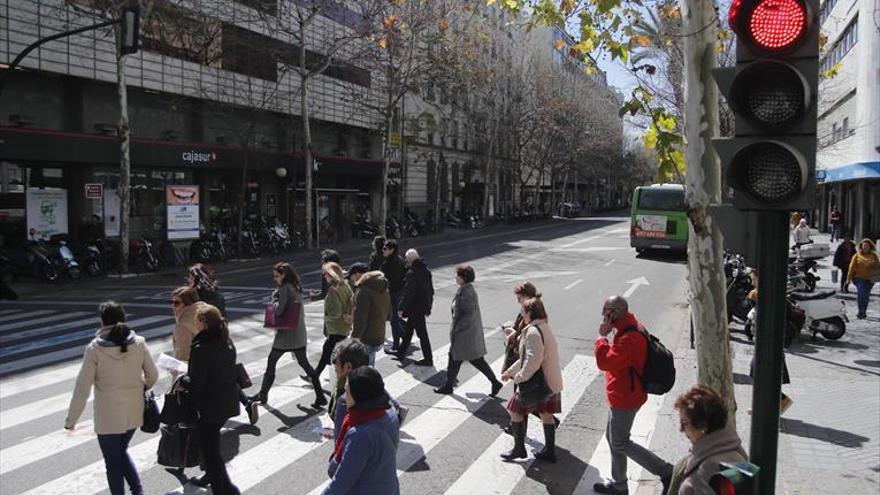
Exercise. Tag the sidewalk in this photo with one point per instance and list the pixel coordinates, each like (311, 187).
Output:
(829, 441)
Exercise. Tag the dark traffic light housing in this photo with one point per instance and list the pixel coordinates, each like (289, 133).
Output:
(770, 162)
(735, 479)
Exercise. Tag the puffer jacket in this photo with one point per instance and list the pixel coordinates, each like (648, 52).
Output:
(119, 379)
(863, 264)
(372, 302)
(692, 474)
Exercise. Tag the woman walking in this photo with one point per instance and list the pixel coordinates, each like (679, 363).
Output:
(119, 366)
(364, 461)
(288, 297)
(213, 387)
(184, 302)
(538, 353)
(337, 313)
(201, 277)
(864, 271)
(466, 339)
(512, 331)
(843, 256)
(703, 420)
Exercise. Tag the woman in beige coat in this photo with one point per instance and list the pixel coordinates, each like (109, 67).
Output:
(119, 366)
(537, 352)
(184, 302)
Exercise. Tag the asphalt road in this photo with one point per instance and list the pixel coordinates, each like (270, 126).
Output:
(448, 444)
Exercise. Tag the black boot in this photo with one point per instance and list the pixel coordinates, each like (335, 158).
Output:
(519, 442)
(263, 396)
(548, 453)
(320, 400)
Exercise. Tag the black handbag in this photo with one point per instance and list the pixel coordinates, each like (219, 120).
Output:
(535, 389)
(151, 414)
(178, 447)
(177, 407)
(242, 377)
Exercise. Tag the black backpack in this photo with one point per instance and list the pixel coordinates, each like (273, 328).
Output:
(658, 377)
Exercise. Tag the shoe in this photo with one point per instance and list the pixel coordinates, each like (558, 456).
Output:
(259, 398)
(496, 387)
(607, 487)
(392, 350)
(201, 482)
(548, 453)
(306, 378)
(519, 442)
(253, 412)
(556, 422)
(424, 362)
(444, 390)
(320, 401)
(785, 403)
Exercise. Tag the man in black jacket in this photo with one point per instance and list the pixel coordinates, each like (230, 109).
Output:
(415, 306)
(394, 269)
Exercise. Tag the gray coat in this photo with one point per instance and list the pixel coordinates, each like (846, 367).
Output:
(466, 333)
(283, 299)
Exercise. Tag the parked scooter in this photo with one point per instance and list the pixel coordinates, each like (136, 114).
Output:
(91, 259)
(65, 259)
(363, 229)
(40, 261)
(824, 313)
(739, 285)
(142, 255)
(393, 229)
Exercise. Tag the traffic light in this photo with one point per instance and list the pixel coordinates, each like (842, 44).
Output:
(771, 160)
(131, 26)
(735, 479)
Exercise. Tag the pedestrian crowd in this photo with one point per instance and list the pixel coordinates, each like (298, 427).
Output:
(366, 419)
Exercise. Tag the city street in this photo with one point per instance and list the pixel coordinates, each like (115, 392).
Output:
(449, 444)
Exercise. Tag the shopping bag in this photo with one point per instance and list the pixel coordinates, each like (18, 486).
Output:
(178, 447)
(289, 320)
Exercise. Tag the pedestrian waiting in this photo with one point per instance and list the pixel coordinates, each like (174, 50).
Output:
(372, 302)
(864, 272)
(118, 364)
(466, 339)
(415, 306)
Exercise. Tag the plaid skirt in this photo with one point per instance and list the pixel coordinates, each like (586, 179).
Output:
(550, 405)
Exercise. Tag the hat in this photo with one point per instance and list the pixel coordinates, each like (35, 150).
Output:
(367, 388)
(356, 268)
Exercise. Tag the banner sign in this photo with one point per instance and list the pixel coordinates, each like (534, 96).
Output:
(182, 203)
(650, 226)
(46, 213)
(94, 191)
(112, 211)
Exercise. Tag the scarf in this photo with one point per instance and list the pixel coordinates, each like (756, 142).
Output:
(353, 417)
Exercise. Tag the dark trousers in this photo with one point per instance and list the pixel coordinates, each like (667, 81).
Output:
(417, 324)
(327, 352)
(398, 326)
(454, 367)
(215, 467)
(863, 294)
(120, 467)
(301, 358)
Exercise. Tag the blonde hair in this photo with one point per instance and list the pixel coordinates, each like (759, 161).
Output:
(214, 321)
(334, 270)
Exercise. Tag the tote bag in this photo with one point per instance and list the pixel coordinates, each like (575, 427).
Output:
(287, 321)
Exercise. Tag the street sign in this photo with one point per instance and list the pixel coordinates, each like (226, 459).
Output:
(94, 191)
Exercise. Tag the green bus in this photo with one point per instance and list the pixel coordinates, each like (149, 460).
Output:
(658, 218)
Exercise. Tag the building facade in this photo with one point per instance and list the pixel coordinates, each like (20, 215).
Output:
(848, 156)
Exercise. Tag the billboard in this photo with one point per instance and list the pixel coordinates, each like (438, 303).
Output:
(182, 203)
(46, 213)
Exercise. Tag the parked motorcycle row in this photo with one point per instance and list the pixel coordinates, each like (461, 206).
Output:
(413, 226)
(817, 312)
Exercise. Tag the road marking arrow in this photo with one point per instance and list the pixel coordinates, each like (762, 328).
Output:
(635, 285)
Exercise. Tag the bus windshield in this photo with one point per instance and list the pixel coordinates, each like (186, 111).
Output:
(661, 199)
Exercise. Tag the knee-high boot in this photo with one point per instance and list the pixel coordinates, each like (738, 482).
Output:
(548, 453)
(518, 428)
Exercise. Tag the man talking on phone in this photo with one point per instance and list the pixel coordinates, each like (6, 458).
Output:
(623, 361)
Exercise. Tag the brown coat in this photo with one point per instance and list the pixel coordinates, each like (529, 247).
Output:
(692, 473)
(372, 301)
(185, 330)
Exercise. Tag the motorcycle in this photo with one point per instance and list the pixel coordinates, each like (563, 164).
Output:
(91, 259)
(794, 322)
(739, 285)
(142, 255)
(66, 260)
(822, 313)
(40, 259)
(392, 227)
(363, 229)
(412, 225)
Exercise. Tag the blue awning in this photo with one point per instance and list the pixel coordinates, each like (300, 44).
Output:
(855, 171)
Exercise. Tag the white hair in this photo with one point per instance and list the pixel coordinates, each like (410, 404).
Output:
(412, 255)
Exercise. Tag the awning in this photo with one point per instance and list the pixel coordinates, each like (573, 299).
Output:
(855, 171)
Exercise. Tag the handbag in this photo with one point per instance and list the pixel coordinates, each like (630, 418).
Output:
(178, 447)
(177, 407)
(242, 377)
(151, 413)
(289, 320)
(535, 389)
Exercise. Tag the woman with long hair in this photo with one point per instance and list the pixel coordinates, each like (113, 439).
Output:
(118, 364)
(337, 312)
(201, 277)
(288, 297)
(864, 270)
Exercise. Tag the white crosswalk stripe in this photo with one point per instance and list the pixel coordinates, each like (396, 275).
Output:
(23, 316)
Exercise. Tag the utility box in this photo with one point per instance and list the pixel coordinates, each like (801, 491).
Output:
(739, 231)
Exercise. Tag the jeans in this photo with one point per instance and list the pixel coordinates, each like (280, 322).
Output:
(417, 324)
(454, 367)
(327, 352)
(398, 326)
(863, 293)
(215, 467)
(120, 467)
(617, 433)
(372, 350)
(835, 231)
(301, 358)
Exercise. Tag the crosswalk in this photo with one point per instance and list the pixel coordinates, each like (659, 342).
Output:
(36, 457)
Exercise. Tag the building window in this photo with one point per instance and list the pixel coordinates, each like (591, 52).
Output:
(248, 53)
(183, 34)
(269, 7)
(846, 130)
(848, 39)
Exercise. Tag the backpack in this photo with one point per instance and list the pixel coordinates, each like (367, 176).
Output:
(658, 377)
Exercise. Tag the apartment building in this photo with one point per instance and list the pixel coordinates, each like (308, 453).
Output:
(848, 156)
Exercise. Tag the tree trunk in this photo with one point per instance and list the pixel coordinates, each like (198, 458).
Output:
(705, 243)
(487, 169)
(123, 132)
(307, 136)
(386, 167)
(245, 148)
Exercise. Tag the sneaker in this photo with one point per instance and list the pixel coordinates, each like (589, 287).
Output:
(785, 403)
(607, 487)
(424, 362)
(253, 412)
(444, 390)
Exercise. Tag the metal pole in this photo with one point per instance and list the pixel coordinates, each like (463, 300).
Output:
(772, 266)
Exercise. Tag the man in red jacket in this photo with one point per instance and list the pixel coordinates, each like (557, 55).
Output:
(623, 360)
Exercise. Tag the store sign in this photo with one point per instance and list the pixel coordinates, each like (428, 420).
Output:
(182, 204)
(94, 191)
(46, 213)
(112, 211)
(195, 157)
(650, 226)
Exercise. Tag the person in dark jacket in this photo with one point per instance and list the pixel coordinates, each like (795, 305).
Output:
(213, 387)
(201, 277)
(843, 255)
(364, 460)
(328, 256)
(371, 303)
(394, 269)
(466, 339)
(377, 256)
(415, 306)
(287, 297)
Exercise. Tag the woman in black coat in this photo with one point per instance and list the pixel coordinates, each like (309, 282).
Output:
(213, 387)
(201, 277)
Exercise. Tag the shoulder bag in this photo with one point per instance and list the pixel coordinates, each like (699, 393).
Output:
(151, 413)
(289, 320)
(535, 389)
(178, 407)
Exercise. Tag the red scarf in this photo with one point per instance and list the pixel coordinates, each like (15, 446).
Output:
(353, 418)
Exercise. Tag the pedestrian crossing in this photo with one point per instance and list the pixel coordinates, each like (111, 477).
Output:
(36, 457)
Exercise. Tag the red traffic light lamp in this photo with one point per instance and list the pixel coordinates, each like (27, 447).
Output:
(735, 479)
(771, 25)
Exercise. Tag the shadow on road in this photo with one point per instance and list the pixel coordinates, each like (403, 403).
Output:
(807, 430)
(663, 257)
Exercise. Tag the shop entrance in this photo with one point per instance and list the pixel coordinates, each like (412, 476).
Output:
(335, 212)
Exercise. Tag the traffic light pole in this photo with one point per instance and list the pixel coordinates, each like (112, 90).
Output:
(772, 227)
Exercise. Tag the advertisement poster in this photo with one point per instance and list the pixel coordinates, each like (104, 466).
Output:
(183, 212)
(112, 209)
(651, 226)
(46, 213)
